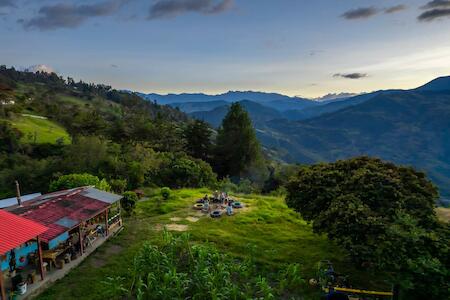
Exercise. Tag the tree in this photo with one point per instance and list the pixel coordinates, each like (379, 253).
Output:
(382, 214)
(198, 140)
(9, 138)
(71, 181)
(128, 202)
(181, 170)
(87, 154)
(237, 149)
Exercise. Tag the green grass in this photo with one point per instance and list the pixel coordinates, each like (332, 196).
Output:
(278, 235)
(40, 131)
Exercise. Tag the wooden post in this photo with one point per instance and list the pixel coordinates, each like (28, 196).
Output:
(41, 263)
(80, 233)
(106, 223)
(2, 285)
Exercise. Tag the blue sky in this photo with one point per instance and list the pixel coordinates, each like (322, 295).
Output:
(295, 47)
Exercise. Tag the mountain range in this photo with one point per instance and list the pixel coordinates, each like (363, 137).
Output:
(410, 127)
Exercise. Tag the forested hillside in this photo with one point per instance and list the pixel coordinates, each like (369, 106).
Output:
(51, 126)
(108, 133)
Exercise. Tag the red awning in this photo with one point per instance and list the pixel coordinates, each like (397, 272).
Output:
(15, 230)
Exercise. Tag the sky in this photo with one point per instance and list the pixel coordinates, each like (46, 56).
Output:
(294, 47)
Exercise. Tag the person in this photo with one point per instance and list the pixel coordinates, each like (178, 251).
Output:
(206, 206)
(229, 209)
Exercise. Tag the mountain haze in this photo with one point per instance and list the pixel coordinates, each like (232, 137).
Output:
(409, 127)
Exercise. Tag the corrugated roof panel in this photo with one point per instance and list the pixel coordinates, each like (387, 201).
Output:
(66, 222)
(15, 230)
(101, 195)
(13, 201)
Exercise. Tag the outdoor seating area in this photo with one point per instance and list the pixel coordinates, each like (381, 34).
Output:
(69, 225)
(217, 205)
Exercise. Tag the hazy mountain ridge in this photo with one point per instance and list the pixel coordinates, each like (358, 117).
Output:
(405, 126)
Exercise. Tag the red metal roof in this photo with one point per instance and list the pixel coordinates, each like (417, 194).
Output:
(51, 208)
(15, 230)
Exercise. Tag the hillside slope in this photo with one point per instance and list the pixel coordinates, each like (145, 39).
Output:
(410, 128)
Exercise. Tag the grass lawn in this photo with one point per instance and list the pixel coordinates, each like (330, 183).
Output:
(36, 130)
(276, 234)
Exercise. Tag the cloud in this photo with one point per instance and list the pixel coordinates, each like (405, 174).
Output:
(360, 13)
(351, 75)
(173, 8)
(431, 15)
(64, 15)
(40, 68)
(394, 9)
(437, 4)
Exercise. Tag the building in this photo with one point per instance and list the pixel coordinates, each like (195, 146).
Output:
(19, 235)
(74, 219)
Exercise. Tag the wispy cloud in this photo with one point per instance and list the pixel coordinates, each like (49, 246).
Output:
(394, 9)
(431, 15)
(64, 15)
(173, 8)
(360, 13)
(437, 4)
(435, 9)
(350, 75)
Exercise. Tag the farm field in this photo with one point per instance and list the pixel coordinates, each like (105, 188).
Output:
(39, 130)
(265, 228)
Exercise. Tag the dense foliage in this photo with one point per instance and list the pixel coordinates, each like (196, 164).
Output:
(128, 202)
(383, 215)
(76, 180)
(180, 270)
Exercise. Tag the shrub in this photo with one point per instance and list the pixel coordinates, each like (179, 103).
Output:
(245, 186)
(118, 185)
(226, 185)
(178, 171)
(71, 181)
(165, 193)
(128, 202)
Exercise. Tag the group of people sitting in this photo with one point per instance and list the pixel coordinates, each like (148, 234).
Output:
(220, 200)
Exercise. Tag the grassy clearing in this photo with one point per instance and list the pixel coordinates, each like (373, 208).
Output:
(278, 236)
(40, 131)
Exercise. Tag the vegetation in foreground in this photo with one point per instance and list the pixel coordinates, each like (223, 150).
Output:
(384, 216)
(266, 230)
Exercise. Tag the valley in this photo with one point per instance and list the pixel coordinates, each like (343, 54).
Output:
(408, 127)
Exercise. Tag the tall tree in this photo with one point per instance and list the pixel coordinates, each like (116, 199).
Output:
(237, 148)
(198, 140)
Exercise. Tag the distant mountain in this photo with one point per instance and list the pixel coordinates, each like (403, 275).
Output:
(190, 107)
(259, 114)
(336, 105)
(437, 85)
(291, 104)
(232, 96)
(410, 127)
